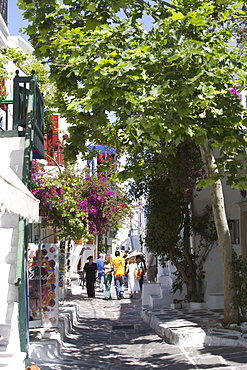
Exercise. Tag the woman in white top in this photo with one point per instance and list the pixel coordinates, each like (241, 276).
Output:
(107, 270)
(133, 283)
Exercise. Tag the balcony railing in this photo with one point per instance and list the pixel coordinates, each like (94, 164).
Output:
(26, 108)
(6, 114)
(55, 156)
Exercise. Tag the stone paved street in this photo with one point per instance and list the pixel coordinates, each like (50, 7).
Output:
(112, 335)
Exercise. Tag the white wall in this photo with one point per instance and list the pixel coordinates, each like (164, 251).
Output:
(212, 266)
(20, 43)
(4, 33)
(11, 152)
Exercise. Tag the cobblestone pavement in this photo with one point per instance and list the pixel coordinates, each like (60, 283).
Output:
(111, 335)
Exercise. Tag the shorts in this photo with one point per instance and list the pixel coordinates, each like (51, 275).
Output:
(151, 273)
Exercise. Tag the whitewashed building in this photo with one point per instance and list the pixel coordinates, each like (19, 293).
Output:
(18, 207)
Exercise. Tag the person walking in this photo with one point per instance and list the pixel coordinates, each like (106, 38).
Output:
(108, 270)
(141, 269)
(151, 268)
(119, 271)
(90, 269)
(133, 277)
(100, 264)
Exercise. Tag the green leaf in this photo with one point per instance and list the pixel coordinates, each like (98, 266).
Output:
(73, 104)
(208, 182)
(103, 63)
(177, 15)
(91, 7)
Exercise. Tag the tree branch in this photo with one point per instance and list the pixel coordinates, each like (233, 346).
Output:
(137, 24)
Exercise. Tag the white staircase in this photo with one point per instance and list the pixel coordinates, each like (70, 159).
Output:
(158, 295)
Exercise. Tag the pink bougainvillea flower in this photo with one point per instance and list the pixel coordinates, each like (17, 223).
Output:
(234, 91)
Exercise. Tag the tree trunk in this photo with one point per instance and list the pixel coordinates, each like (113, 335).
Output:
(217, 198)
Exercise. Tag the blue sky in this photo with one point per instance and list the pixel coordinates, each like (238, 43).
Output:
(15, 20)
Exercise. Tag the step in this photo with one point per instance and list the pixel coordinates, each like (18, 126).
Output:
(149, 289)
(46, 343)
(215, 301)
(156, 301)
(10, 361)
(178, 331)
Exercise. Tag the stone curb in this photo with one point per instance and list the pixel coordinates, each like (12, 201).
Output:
(175, 332)
(50, 340)
(186, 333)
(211, 340)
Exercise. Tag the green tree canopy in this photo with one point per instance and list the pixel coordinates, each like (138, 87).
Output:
(124, 86)
(170, 82)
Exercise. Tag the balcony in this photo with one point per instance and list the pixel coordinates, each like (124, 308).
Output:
(24, 115)
(53, 153)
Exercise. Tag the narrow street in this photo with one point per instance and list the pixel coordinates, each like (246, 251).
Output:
(112, 335)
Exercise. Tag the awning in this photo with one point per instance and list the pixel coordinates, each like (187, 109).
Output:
(15, 198)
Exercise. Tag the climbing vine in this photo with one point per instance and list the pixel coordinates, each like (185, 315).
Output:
(170, 222)
(239, 268)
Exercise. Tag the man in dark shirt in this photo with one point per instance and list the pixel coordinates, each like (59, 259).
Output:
(90, 269)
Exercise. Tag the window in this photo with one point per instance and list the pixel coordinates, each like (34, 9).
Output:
(234, 231)
(3, 9)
